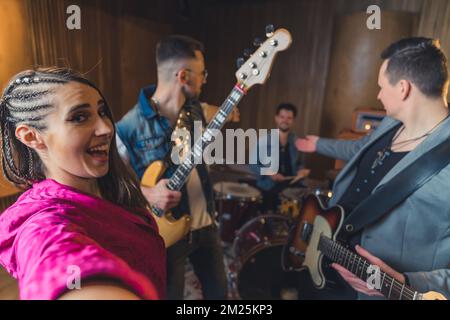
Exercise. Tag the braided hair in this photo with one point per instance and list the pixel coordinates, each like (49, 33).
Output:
(28, 99)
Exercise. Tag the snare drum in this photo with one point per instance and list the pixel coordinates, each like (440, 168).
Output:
(236, 204)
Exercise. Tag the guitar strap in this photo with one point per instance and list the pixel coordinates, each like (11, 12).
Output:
(387, 197)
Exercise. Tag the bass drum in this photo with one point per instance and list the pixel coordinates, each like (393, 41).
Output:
(257, 272)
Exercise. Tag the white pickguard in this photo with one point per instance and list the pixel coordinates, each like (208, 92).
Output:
(313, 256)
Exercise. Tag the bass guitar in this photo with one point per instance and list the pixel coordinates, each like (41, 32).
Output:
(255, 70)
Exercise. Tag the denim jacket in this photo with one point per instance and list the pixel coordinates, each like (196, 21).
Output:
(147, 138)
(264, 181)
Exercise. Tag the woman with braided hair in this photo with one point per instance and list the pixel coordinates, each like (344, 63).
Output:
(81, 229)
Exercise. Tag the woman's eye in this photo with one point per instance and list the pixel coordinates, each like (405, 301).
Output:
(103, 112)
(79, 118)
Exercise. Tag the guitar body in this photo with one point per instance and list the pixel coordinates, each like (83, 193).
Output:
(302, 251)
(170, 229)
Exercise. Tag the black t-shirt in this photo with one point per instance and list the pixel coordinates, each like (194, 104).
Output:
(285, 161)
(374, 164)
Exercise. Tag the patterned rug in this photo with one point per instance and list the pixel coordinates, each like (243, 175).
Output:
(192, 286)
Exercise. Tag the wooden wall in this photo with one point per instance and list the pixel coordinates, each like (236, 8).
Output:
(15, 40)
(115, 46)
(352, 80)
(434, 15)
(15, 55)
(298, 75)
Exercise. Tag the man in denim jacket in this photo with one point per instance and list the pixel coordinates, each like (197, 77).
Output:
(145, 136)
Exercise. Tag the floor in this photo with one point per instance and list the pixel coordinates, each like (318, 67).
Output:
(8, 286)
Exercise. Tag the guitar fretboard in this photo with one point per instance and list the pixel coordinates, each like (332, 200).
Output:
(181, 174)
(387, 285)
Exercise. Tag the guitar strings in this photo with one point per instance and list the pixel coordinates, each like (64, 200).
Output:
(350, 257)
(227, 106)
(394, 283)
(405, 291)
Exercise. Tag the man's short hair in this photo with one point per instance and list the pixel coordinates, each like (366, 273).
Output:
(176, 47)
(420, 61)
(288, 107)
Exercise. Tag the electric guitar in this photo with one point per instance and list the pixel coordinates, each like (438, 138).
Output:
(314, 236)
(253, 71)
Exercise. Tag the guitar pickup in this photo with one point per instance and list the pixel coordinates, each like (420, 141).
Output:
(306, 231)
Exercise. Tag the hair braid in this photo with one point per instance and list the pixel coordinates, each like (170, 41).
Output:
(28, 100)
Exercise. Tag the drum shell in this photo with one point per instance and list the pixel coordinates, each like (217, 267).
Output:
(257, 250)
(236, 203)
(233, 214)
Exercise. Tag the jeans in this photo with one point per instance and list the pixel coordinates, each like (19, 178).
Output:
(206, 256)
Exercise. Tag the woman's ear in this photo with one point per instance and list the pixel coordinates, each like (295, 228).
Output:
(30, 137)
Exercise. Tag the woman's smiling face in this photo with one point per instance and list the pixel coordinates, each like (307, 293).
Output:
(78, 135)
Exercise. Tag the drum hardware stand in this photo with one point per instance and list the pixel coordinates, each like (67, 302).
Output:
(232, 282)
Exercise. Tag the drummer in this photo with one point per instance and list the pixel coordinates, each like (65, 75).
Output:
(291, 170)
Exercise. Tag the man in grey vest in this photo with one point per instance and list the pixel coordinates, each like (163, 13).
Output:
(412, 241)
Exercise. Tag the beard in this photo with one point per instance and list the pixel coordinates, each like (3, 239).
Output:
(284, 128)
(190, 95)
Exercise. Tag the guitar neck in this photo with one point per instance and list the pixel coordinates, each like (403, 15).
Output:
(381, 281)
(194, 157)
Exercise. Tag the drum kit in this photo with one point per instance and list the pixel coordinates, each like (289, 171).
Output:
(236, 203)
(256, 238)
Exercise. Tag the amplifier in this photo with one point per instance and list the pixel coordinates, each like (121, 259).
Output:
(365, 120)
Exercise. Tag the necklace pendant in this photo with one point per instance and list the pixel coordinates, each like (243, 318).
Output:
(381, 155)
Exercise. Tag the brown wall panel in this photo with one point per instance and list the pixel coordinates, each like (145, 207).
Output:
(118, 37)
(354, 65)
(15, 40)
(298, 75)
(15, 54)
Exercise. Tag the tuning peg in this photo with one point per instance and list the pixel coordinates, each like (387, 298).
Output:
(248, 53)
(257, 42)
(239, 62)
(269, 30)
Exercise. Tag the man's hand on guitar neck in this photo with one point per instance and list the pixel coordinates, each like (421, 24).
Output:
(161, 196)
(358, 284)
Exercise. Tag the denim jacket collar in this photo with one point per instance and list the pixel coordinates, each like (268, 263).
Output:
(144, 101)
